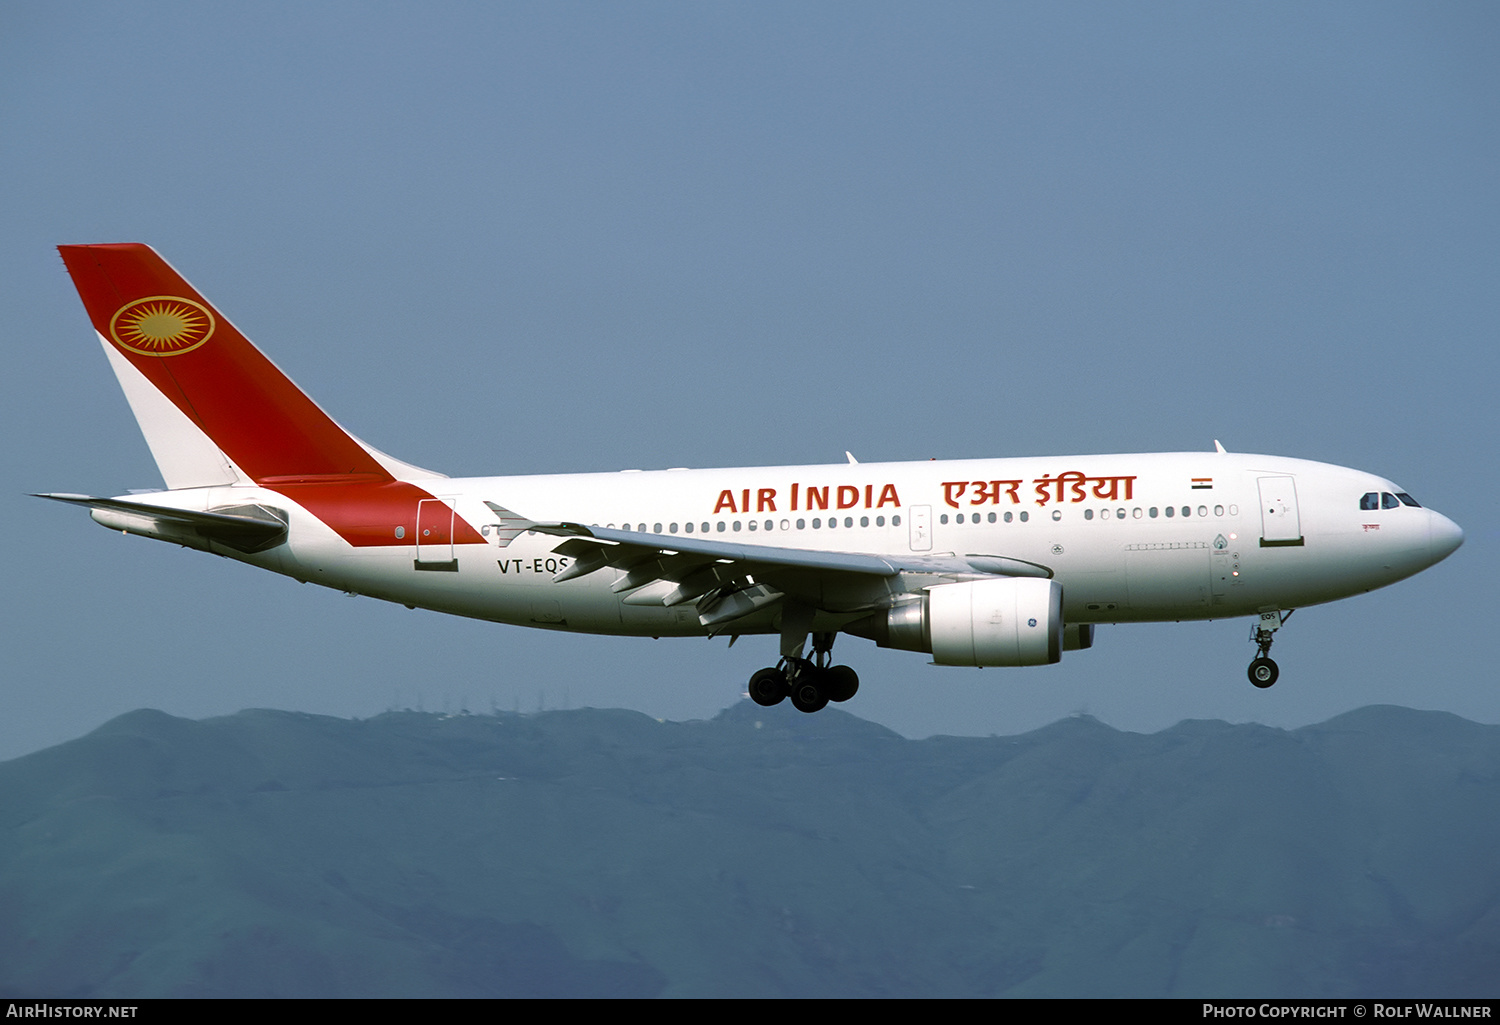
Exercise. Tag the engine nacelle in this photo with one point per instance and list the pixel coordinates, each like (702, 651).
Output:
(1011, 621)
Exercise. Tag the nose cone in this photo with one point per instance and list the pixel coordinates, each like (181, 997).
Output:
(1443, 536)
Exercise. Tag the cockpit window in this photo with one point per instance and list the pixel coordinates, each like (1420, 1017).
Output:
(1408, 500)
(1369, 500)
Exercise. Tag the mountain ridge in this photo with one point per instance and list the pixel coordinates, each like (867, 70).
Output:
(758, 853)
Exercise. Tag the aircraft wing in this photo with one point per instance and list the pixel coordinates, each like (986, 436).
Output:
(729, 580)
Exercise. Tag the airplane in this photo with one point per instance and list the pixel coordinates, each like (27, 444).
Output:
(977, 562)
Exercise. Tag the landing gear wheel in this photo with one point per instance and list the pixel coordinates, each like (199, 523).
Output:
(808, 694)
(840, 683)
(768, 687)
(1263, 672)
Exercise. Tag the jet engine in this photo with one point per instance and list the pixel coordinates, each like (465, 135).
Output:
(1007, 621)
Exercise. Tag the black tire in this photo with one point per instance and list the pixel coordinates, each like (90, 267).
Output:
(1263, 672)
(808, 695)
(767, 687)
(841, 683)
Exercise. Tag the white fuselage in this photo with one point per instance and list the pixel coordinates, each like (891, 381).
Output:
(1131, 538)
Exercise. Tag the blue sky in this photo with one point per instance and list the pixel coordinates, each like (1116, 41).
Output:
(512, 238)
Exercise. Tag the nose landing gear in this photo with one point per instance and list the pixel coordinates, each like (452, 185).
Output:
(1263, 671)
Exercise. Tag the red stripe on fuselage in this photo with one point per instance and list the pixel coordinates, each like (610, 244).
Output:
(366, 515)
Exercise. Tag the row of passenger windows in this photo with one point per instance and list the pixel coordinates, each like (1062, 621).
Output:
(1121, 513)
(1368, 501)
(864, 521)
(723, 525)
(1385, 500)
(1170, 511)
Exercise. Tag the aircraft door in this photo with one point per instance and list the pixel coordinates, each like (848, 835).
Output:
(435, 535)
(921, 528)
(1280, 522)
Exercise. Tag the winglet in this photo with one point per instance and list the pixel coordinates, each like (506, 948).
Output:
(1219, 448)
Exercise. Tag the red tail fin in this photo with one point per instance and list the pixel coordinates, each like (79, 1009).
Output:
(211, 372)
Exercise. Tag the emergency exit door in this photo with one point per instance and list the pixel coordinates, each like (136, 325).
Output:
(435, 536)
(1280, 523)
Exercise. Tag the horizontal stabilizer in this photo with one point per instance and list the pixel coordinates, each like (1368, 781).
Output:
(245, 528)
(512, 525)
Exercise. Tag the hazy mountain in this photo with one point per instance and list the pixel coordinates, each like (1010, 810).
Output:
(764, 852)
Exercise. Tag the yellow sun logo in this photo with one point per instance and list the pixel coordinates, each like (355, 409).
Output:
(162, 325)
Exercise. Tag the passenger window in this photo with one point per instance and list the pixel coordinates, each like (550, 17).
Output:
(656, 529)
(688, 527)
(1171, 511)
(1025, 516)
(801, 524)
(721, 527)
(943, 518)
(1388, 501)
(992, 517)
(1369, 500)
(1088, 514)
(895, 521)
(864, 521)
(1008, 517)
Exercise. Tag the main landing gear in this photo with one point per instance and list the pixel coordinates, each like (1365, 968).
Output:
(1263, 671)
(810, 683)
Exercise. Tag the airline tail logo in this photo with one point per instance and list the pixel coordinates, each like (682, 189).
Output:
(161, 325)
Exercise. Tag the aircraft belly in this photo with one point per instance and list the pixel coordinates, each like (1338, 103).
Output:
(1166, 579)
(523, 595)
